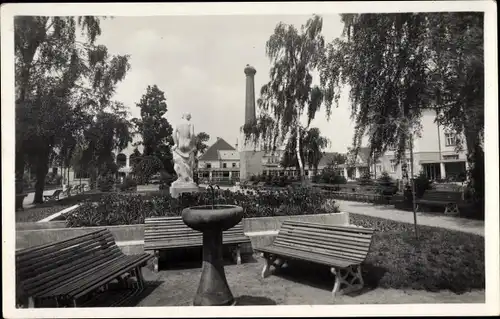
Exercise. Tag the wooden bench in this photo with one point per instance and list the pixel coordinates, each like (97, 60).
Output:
(450, 200)
(343, 248)
(170, 232)
(54, 196)
(72, 271)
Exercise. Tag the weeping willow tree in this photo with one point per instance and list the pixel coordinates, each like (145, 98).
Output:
(289, 96)
(312, 147)
(397, 65)
(382, 59)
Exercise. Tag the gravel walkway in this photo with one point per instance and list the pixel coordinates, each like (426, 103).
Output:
(292, 286)
(389, 212)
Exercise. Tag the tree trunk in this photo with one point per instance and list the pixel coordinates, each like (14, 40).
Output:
(299, 157)
(42, 168)
(19, 170)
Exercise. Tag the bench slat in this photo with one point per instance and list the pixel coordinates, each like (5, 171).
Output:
(39, 288)
(327, 244)
(47, 248)
(171, 232)
(76, 261)
(340, 238)
(97, 279)
(323, 249)
(328, 234)
(61, 254)
(294, 254)
(347, 229)
(334, 244)
(78, 265)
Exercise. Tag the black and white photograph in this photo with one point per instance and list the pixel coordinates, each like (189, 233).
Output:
(336, 157)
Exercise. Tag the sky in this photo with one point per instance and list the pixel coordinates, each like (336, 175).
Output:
(198, 62)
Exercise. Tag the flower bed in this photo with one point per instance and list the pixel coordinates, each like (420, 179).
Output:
(440, 259)
(127, 209)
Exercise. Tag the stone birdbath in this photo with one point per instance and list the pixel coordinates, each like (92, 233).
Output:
(212, 220)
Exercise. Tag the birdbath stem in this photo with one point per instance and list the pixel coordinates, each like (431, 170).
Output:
(212, 220)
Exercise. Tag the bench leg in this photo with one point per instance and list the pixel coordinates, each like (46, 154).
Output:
(140, 278)
(350, 277)
(237, 255)
(266, 271)
(31, 302)
(156, 260)
(451, 209)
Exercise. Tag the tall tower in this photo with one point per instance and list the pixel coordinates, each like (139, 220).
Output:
(250, 94)
(250, 158)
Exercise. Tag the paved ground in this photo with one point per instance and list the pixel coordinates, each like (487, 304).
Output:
(429, 219)
(292, 286)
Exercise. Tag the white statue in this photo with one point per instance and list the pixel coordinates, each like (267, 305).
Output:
(183, 153)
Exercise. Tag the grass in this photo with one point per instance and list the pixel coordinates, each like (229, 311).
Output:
(39, 212)
(440, 259)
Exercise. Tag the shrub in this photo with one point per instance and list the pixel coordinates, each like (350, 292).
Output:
(365, 179)
(386, 185)
(145, 167)
(123, 209)
(105, 183)
(422, 183)
(440, 259)
(53, 179)
(166, 179)
(128, 184)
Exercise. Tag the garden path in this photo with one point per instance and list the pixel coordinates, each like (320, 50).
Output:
(428, 219)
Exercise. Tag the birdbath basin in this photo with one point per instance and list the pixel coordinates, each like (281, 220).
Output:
(212, 220)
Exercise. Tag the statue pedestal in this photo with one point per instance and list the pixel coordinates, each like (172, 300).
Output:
(178, 188)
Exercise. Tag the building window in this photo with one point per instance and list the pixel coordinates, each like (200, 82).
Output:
(54, 170)
(379, 168)
(393, 165)
(208, 165)
(450, 157)
(450, 139)
(224, 165)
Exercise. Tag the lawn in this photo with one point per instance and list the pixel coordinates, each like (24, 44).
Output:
(440, 259)
(40, 212)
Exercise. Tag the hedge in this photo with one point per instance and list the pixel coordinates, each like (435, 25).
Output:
(127, 209)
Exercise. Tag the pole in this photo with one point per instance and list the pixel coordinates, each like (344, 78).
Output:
(413, 187)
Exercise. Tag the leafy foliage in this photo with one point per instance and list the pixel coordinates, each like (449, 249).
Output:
(145, 167)
(289, 94)
(121, 209)
(365, 179)
(106, 182)
(154, 128)
(330, 175)
(312, 146)
(422, 183)
(61, 84)
(398, 64)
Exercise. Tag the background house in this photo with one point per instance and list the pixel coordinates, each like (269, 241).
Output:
(220, 162)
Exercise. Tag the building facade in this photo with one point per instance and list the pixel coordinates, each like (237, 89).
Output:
(220, 162)
(434, 153)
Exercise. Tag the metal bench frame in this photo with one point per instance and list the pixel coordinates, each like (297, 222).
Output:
(162, 233)
(65, 271)
(347, 271)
